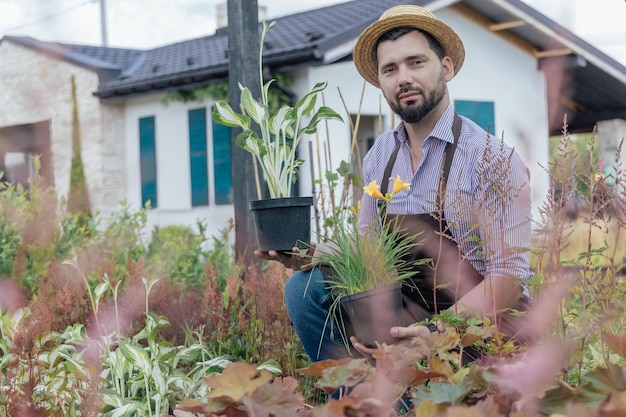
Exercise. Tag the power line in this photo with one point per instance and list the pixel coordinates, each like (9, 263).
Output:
(50, 16)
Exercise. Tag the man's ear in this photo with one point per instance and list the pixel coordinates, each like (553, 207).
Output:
(448, 67)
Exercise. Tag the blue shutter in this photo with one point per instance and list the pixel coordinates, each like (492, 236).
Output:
(147, 161)
(481, 112)
(198, 158)
(221, 164)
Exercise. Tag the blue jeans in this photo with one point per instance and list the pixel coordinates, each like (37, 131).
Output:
(308, 300)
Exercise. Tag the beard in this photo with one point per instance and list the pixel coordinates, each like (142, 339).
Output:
(413, 112)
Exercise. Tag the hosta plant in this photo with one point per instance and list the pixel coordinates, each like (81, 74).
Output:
(280, 132)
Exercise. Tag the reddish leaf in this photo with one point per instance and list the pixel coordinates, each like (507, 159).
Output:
(339, 408)
(474, 333)
(350, 406)
(347, 375)
(463, 411)
(397, 356)
(617, 343)
(276, 399)
(288, 382)
(192, 406)
(213, 408)
(469, 339)
(576, 410)
(236, 381)
(410, 377)
(442, 367)
(378, 389)
(317, 368)
(614, 405)
(428, 409)
(489, 407)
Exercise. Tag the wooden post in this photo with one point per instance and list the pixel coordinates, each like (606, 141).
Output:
(243, 67)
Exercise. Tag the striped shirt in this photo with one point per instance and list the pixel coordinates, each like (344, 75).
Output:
(487, 199)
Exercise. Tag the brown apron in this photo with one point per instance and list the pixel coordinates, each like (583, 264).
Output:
(447, 275)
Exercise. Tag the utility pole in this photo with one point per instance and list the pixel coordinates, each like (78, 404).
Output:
(103, 22)
(243, 67)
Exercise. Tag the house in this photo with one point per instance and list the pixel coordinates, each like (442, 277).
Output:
(522, 73)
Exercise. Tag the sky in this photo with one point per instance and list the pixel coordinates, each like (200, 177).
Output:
(152, 23)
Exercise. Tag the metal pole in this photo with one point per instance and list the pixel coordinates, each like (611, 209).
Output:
(243, 67)
(103, 22)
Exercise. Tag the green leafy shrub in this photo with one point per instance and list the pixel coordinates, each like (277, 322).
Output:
(9, 243)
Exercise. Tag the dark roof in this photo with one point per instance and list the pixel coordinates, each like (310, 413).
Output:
(582, 81)
(109, 63)
(297, 39)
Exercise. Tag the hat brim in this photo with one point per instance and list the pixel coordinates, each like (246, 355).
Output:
(364, 49)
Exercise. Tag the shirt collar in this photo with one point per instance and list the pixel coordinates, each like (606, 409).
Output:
(442, 129)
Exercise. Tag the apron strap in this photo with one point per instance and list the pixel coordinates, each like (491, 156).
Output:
(449, 152)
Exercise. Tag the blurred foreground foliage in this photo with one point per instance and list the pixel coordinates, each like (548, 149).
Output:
(99, 317)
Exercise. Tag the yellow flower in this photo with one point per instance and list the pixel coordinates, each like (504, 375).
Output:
(399, 185)
(373, 190)
(356, 210)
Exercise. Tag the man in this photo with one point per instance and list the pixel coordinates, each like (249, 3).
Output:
(460, 178)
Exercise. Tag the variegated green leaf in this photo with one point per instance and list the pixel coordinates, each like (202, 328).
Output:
(257, 111)
(74, 366)
(266, 88)
(225, 115)
(306, 104)
(74, 334)
(100, 290)
(270, 365)
(323, 113)
(281, 120)
(159, 380)
(136, 356)
(250, 141)
(127, 410)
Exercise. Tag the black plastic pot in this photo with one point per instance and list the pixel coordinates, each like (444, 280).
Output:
(372, 313)
(282, 223)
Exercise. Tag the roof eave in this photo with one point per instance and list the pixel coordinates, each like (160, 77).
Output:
(590, 53)
(193, 79)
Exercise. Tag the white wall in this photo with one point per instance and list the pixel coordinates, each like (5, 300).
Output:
(494, 70)
(173, 167)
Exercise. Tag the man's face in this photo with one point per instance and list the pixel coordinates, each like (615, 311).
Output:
(411, 76)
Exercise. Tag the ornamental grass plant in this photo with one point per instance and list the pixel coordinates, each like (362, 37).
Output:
(362, 262)
(357, 263)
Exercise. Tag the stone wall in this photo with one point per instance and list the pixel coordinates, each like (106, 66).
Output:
(36, 87)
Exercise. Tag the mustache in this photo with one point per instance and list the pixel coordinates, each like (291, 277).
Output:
(405, 90)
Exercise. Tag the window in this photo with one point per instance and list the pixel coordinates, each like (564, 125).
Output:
(147, 161)
(19, 146)
(481, 112)
(18, 167)
(221, 164)
(198, 158)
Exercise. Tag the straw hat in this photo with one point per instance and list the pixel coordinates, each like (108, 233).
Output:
(405, 15)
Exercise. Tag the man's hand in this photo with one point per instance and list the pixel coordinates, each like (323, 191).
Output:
(298, 259)
(409, 331)
(397, 332)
